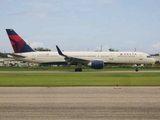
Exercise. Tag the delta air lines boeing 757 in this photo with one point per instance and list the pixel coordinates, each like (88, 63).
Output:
(96, 60)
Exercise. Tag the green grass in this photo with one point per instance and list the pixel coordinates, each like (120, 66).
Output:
(80, 79)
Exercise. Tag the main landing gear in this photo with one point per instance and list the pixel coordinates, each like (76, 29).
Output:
(79, 68)
(137, 69)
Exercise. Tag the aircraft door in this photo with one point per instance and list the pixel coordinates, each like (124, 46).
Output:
(33, 57)
(141, 57)
(111, 57)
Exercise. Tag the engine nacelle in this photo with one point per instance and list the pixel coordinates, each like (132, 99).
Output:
(96, 64)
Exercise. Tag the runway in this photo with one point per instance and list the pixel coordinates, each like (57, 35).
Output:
(79, 103)
(96, 71)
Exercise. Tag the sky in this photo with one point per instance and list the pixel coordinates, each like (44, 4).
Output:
(83, 25)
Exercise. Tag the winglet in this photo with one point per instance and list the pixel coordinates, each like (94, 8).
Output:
(59, 51)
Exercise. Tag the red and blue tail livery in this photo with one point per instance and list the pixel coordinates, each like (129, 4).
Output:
(18, 44)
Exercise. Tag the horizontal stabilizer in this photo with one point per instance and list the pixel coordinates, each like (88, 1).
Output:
(16, 55)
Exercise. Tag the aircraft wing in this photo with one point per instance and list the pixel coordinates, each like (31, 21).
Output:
(16, 55)
(71, 59)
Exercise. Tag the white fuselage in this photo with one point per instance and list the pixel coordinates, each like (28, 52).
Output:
(106, 57)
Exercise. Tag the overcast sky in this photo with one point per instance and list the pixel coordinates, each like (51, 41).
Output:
(81, 25)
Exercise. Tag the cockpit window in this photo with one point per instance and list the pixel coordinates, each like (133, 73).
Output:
(148, 56)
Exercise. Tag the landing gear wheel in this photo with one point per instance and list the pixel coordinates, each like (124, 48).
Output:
(136, 69)
(78, 70)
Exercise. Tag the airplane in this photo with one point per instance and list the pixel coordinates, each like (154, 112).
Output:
(95, 60)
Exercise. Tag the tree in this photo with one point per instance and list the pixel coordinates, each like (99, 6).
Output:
(42, 49)
(3, 55)
(113, 50)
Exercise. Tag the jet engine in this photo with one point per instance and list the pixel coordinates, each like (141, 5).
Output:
(96, 64)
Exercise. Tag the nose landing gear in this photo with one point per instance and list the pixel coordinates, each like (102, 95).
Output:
(137, 68)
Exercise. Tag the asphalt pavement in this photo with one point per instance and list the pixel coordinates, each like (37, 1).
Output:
(79, 103)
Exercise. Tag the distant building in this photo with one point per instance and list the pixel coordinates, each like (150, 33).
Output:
(156, 57)
(13, 62)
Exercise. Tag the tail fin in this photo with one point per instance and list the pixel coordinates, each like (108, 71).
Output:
(18, 44)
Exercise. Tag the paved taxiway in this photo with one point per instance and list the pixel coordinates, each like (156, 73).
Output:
(79, 103)
(97, 71)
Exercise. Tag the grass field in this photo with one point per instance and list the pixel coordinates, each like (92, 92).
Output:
(80, 79)
(65, 76)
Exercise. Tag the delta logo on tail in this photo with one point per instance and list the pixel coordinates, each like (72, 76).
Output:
(18, 44)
